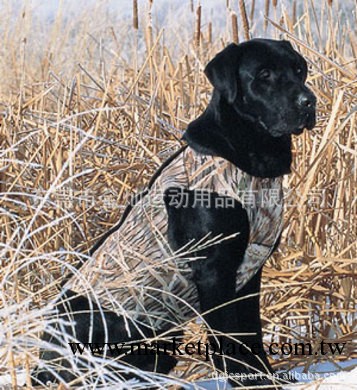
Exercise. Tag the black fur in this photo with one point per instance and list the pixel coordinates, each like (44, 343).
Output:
(259, 100)
(91, 326)
(250, 119)
(215, 273)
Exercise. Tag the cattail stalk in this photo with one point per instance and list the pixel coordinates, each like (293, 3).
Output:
(135, 14)
(243, 14)
(235, 37)
(294, 13)
(252, 10)
(266, 13)
(198, 27)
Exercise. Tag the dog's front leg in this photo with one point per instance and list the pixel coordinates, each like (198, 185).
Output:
(214, 270)
(216, 295)
(249, 324)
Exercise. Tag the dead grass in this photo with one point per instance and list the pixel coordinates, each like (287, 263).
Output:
(90, 109)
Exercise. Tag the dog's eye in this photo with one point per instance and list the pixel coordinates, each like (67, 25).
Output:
(264, 74)
(299, 71)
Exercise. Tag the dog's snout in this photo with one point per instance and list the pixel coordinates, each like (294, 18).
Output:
(306, 100)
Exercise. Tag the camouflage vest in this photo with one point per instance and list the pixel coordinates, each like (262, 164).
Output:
(136, 274)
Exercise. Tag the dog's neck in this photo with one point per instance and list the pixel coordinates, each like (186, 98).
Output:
(221, 131)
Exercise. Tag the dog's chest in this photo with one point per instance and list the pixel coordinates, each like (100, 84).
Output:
(135, 272)
(262, 198)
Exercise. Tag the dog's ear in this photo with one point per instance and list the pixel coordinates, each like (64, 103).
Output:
(222, 72)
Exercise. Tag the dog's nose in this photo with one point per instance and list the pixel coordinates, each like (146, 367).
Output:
(306, 100)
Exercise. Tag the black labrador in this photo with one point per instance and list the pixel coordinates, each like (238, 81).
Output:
(259, 100)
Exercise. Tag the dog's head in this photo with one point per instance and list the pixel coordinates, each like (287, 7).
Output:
(264, 80)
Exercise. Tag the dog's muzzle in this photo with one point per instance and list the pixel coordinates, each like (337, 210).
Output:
(306, 103)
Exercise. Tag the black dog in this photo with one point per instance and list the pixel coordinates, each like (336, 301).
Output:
(240, 145)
